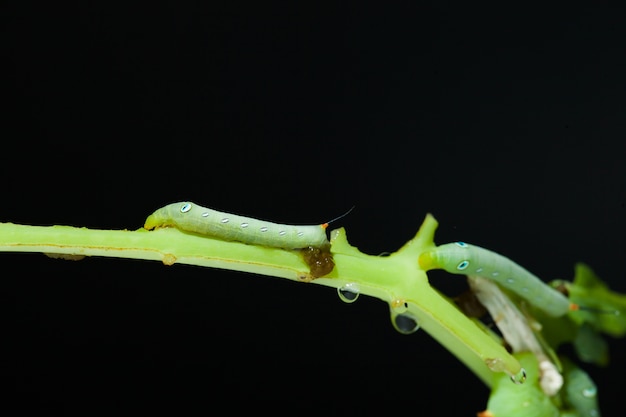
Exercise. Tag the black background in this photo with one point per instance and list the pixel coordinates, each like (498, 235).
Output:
(508, 125)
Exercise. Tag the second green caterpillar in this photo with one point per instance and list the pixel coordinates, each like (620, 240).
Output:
(461, 258)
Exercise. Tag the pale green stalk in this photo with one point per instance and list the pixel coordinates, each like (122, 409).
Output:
(396, 279)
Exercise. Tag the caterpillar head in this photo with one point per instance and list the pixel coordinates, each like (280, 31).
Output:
(165, 216)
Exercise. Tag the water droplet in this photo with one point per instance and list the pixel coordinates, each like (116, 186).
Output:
(349, 292)
(402, 320)
(405, 323)
(519, 377)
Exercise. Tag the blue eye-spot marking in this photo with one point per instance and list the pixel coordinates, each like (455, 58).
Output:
(462, 244)
(185, 208)
(463, 265)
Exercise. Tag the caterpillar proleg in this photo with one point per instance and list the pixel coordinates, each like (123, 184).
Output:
(461, 258)
(191, 217)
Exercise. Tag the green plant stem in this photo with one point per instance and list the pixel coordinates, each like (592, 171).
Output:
(395, 279)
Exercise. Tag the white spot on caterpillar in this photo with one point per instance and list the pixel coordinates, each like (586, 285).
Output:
(590, 392)
(225, 220)
(282, 233)
(263, 229)
(244, 225)
(185, 208)
(463, 265)
(205, 214)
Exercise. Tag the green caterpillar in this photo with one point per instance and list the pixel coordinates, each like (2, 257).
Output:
(310, 240)
(461, 258)
(197, 219)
